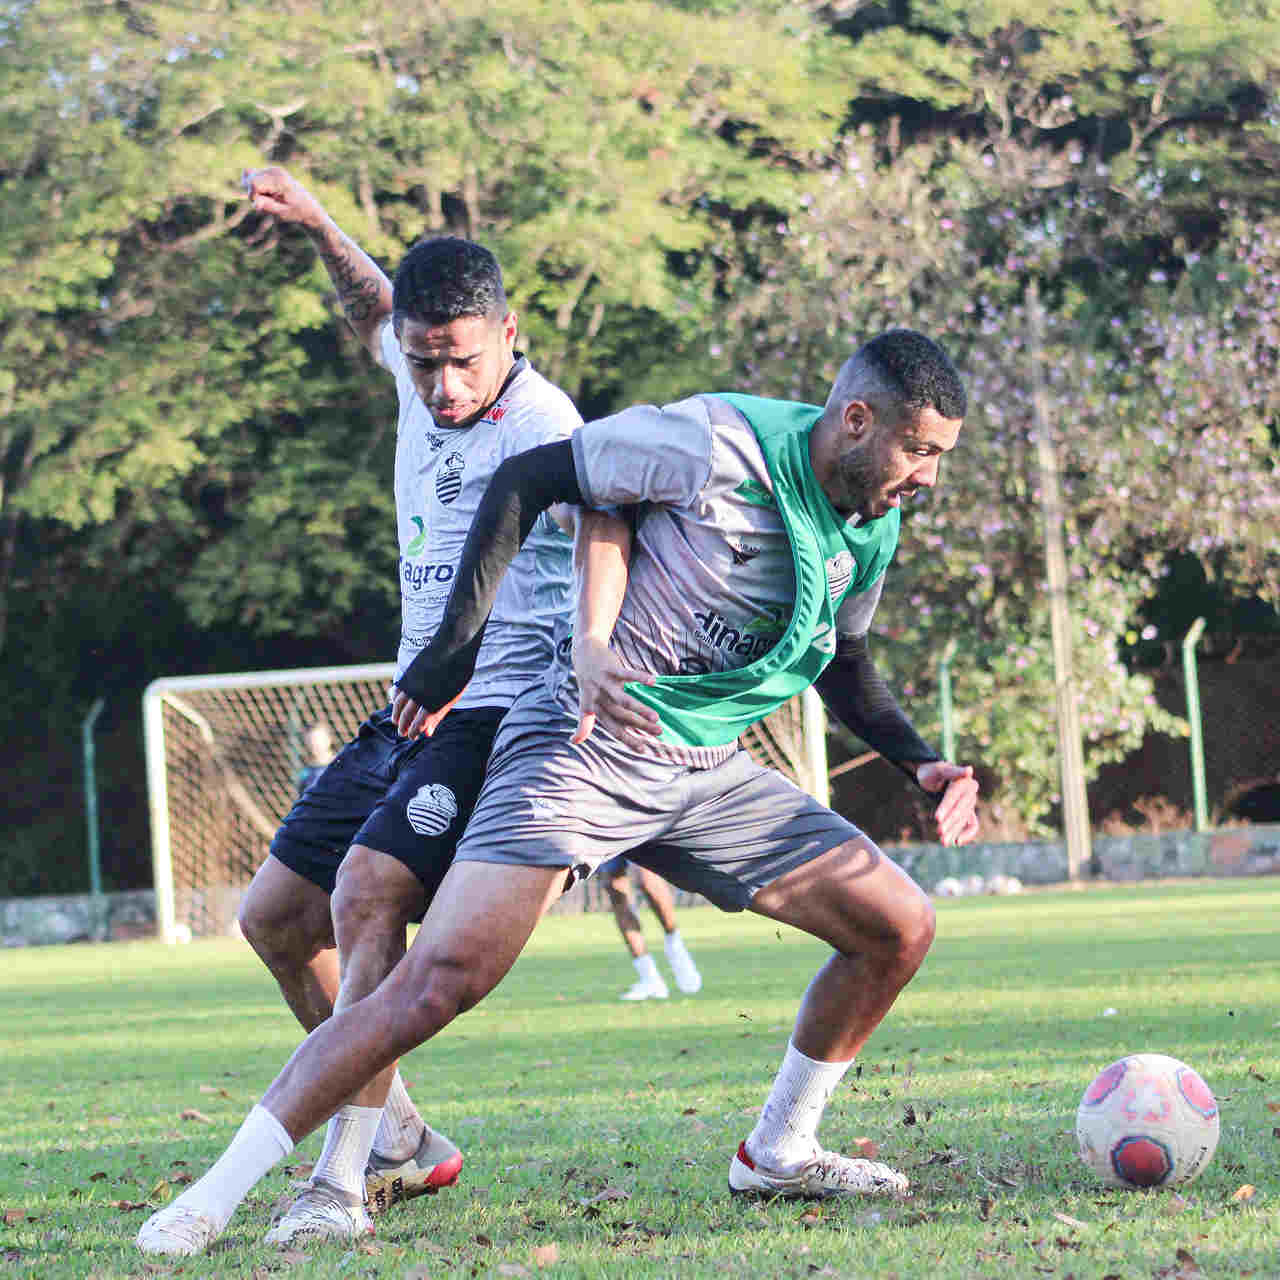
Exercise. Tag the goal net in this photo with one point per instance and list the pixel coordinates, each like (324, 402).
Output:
(226, 753)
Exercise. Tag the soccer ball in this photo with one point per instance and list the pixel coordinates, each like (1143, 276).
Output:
(1147, 1121)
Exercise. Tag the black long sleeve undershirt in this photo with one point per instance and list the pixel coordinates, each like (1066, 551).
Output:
(856, 693)
(522, 487)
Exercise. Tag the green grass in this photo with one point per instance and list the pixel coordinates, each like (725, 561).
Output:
(598, 1133)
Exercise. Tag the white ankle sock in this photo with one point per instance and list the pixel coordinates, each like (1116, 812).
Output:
(260, 1143)
(645, 967)
(347, 1143)
(786, 1134)
(401, 1128)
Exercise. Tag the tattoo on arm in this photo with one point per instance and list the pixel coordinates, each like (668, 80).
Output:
(357, 279)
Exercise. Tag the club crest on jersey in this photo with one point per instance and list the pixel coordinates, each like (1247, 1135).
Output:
(449, 478)
(839, 574)
(434, 440)
(744, 554)
(432, 809)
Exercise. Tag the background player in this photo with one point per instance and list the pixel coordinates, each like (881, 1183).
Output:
(649, 983)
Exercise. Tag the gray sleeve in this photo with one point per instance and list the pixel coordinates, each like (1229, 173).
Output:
(645, 454)
(854, 616)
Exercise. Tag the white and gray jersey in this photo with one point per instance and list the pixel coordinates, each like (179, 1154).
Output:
(441, 475)
(712, 578)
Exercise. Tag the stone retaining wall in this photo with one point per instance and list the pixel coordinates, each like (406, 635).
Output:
(1233, 851)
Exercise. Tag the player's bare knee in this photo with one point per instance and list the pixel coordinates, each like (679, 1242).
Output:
(288, 940)
(368, 902)
(425, 1002)
(916, 927)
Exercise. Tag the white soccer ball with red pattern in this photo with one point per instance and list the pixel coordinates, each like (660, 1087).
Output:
(1147, 1121)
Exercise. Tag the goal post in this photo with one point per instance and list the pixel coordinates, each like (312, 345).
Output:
(224, 754)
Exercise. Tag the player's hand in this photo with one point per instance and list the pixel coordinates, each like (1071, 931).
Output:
(601, 675)
(957, 814)
(411, 718)
(275, 191)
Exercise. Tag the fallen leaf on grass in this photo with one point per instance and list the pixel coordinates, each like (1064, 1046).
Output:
(546, 1255)
(160, 1191)
(213, 1088)
(129, 1206)
(985, 1205)
(1273, 1107)
(810, 1217)
(1069, 1220)
(866, 1147)
(483, 1241)
(512, 1269)
(1255, 1074)
(14, 1215)
(190, 1113)
(609, 1193)
(1244, 1193)
(98, 1176)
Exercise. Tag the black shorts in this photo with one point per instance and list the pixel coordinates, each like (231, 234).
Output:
(406, 797)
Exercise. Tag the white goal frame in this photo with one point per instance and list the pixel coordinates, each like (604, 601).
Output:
(222, 756)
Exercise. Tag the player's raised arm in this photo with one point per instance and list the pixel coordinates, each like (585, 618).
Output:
(363, 288)
(601, 552)
(521, 489)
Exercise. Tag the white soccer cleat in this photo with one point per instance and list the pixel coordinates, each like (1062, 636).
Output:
(688, 979)
(320, 1213)
(435, 1164)
(177, 1230)
(827, 1174)
(646, 989)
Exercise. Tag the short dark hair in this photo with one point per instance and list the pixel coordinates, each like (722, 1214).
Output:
(445, 279)
(914, 370)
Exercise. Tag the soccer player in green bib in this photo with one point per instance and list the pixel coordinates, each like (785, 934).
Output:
(763, 530)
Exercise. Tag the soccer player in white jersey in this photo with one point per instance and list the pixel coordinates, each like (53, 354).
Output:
(763, 536)
(366, 845)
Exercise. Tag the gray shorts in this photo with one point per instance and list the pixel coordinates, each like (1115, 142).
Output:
(722, 832)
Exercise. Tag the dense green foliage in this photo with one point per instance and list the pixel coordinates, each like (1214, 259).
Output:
(195, 454)
(597, 1133)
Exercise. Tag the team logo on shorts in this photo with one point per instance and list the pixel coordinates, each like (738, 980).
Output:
(432, 810)
(839, 574)
(449, 478)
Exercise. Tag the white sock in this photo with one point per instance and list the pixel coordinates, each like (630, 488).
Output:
(401, 1128)
(260, 1143)
(786, 1135)
(675, 945)
(645, 967)
(347, 1143)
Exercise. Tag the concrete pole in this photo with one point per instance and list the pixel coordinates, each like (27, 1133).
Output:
(1075, 800)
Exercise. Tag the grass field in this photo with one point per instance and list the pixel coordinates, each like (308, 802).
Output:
(598, 1133)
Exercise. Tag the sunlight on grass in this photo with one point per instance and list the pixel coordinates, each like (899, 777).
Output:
(598, 1133)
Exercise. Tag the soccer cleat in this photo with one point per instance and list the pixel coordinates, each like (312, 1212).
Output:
(320, 1213)
(826, 1174)
(435, 1164)
(688, 979)
(177, 1229)
(646, 989)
